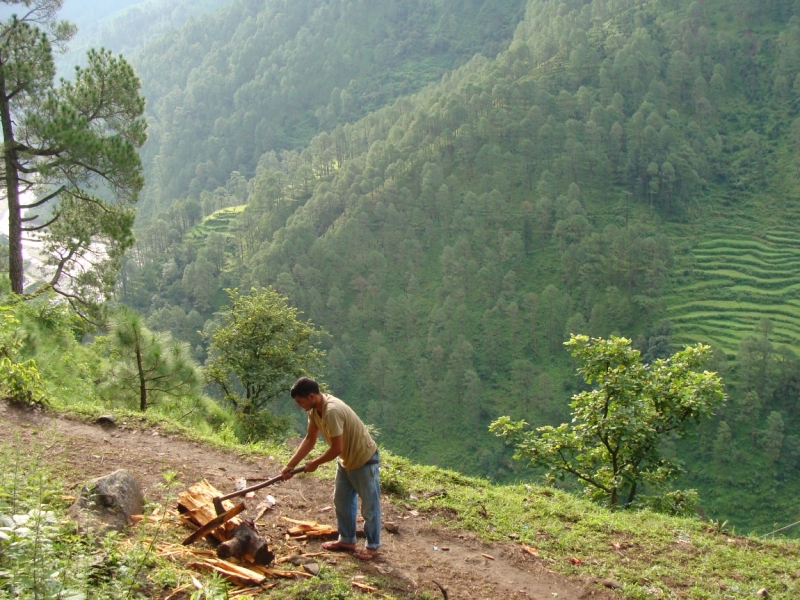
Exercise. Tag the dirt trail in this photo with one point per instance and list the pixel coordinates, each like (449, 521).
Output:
(409, 562)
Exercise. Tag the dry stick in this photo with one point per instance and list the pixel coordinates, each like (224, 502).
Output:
(781, 529)
(439, 585)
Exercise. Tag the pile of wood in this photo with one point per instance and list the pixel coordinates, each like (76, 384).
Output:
(237, 538)
(308, 530)
(196, 507)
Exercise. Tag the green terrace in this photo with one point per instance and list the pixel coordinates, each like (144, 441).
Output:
(218, 222)
(736, 281)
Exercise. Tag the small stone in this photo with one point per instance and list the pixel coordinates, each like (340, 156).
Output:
(612, 584)
(513, 536)
(311, 568)
(106, 420)
(763, 593)
(391, 527)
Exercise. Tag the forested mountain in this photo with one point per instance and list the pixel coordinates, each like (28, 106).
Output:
(621, 163)
(263, 76)
(124, 26)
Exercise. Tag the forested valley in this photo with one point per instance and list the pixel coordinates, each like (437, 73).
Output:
(450, 188)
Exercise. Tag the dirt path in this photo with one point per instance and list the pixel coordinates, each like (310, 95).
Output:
(410, 562)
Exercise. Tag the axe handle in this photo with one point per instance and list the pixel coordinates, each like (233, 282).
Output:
(258, 486)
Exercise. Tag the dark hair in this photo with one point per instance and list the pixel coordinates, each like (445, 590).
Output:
(303, 387)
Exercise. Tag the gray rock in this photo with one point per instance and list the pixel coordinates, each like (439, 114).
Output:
(107, 503)
(611, 584)
(311, 568)
(106, 420)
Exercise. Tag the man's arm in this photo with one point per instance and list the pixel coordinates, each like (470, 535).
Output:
(302, 451)
(330, 454)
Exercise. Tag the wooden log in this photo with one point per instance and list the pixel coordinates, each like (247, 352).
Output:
(197, 505)
(247, 544)
(213, 524)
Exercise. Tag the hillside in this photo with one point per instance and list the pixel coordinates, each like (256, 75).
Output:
(625, 168)
(578, 550)
(258, 77)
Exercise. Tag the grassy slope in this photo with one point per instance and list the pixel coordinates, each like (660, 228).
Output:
(650, 555)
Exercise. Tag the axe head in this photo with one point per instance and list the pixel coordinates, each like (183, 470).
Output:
(218, 506)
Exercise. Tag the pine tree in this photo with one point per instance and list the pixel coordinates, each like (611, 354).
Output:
(60, 144)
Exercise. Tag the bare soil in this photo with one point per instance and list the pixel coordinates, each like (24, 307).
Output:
(410, 562)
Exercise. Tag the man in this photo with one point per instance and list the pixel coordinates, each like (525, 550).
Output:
(357, 469)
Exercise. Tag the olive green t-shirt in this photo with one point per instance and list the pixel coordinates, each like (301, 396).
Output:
(339, 419)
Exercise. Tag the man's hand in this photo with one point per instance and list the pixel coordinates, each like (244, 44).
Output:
(311, 466)
(286, 473)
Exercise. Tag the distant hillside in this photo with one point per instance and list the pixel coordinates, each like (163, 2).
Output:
(268, 76)
(624, 167)
(124, 26)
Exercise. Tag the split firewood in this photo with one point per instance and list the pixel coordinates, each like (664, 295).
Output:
(238, 536)
(233, 573)
(213, 524)
(309, 530)
(196, 504)
(278, 573)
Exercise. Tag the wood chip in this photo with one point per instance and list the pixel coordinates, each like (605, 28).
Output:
(178, 590)
(363, 587)
(487, 556)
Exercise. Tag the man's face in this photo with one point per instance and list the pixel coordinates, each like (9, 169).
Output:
(305, 402)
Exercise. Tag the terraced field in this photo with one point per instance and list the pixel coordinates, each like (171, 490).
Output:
(218, 221)
(737, 280)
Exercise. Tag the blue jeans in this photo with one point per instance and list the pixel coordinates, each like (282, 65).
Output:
(350, 485)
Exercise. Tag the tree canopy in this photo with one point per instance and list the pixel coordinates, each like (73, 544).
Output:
(260, 348)
(613, 444)
(71, 170)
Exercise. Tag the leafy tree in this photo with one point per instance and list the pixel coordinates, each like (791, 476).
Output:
(612, 443)
(722, 443)
(773, 436)
(20, 381)
(71, 147)
(260, 348)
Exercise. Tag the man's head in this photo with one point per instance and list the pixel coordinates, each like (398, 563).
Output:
(305, 392)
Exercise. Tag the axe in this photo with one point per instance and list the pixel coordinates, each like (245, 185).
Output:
(218, 500)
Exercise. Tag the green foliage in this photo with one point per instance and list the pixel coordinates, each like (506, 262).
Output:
(295, 69)
(621, 163)
(146, 366)
(20, 382)
(62, 143)
(612, 445)
(260, 348)
(40, 554)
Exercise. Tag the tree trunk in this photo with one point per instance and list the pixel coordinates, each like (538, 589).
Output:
(142, 380)
(15, 268)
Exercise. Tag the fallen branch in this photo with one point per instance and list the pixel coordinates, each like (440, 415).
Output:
(363, 587)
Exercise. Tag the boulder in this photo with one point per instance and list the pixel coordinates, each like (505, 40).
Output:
(107, 503)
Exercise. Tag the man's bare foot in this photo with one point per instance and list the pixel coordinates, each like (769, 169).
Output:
(366, 554)
(338, 546)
